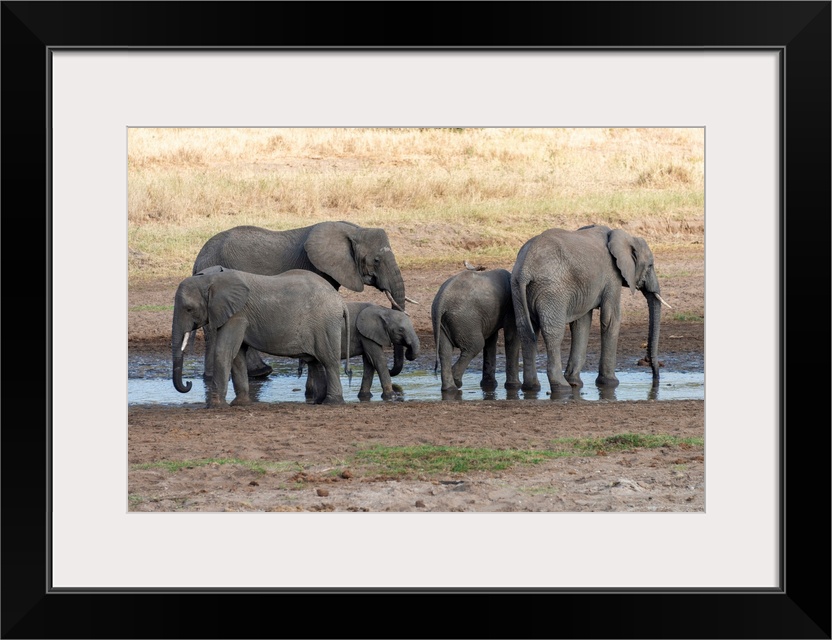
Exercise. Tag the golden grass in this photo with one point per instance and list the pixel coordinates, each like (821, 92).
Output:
(442, 194)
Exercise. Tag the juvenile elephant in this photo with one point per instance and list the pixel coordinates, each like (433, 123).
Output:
(296, 314)
(559, 278)
(467, 313)
(343, 253)
(373, 328)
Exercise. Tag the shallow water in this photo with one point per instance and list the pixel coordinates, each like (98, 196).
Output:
(149, 382)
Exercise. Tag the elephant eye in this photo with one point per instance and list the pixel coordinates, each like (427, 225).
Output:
(376, 260)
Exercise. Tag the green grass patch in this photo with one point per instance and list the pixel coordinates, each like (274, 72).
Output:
(623, 442)
(687, 317)
(430, 459)
(433, 460)
(540, 491)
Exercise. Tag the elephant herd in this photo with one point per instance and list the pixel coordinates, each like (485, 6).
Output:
(255, 290)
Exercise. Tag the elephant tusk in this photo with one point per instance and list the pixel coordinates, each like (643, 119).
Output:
(410, 300)
(392, 302)
(662, 301)
(185, 341)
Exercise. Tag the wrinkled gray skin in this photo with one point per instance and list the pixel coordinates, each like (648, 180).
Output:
(343, 253)
(296, 314)
(467, 313)
(373, 328)
(559, 278)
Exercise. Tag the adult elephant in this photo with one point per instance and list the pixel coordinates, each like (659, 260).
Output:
(559, 278)
(295, 314)
(468, 312)
(343, 253)
(373, 328)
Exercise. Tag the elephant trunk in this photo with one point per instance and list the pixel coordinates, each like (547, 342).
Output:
(412, 348)
(654, 305)
(398, 360)
(397, 300)
(178, 344)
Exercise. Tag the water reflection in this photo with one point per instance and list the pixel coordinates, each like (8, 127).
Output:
(149, 382)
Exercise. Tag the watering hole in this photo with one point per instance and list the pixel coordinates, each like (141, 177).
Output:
(149, 382)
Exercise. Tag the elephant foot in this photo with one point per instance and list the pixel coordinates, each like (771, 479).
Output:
(513, 386)
(240, 401)
(530, 386)
(575, 381)
(451, 394)
(450, 390)
(262, 372)
(218, 405)
(365, 395)
(559, 392)
(333, 400)
(488, 385)
(606, 381)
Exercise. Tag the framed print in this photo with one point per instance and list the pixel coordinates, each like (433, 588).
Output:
(93, 90)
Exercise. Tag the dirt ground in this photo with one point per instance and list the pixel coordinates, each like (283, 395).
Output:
(310, 448)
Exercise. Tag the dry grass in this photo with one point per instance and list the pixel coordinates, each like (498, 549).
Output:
(442, 194)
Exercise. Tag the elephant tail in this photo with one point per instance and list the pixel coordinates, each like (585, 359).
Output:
(520, 299)
(439, 329)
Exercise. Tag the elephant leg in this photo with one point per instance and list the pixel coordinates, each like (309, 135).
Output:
(489, 364)
(239, 378)
(530, 381)
(445, 366)
(512, 344)
(364, 392)
(309, 390)
(319, 382)
(218, 384)
(229, 339)
(553, 332)
(473, 345)
(255, 365)
(579, 330)
(610, 327)
(334, 391)
(208, 365)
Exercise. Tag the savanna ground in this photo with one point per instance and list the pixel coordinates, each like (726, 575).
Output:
(443, 196)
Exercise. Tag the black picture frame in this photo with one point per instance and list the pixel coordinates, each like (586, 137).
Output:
(799, 31)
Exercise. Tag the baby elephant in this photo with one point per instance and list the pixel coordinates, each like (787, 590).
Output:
(373, 328)
(467, 313)
(296, 314)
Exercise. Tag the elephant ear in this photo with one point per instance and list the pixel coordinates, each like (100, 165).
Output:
(331, 249)
(622, 246)
(372, 324)
(227, 294)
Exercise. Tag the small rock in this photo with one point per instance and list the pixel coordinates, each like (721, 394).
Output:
(420, 504)
(323, 493)
(346, 474)
(254, 483)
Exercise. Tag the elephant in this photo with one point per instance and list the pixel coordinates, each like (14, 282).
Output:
(559, 278)
(295, 314)
(343, 253)
(468, 311)
(373, 328)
